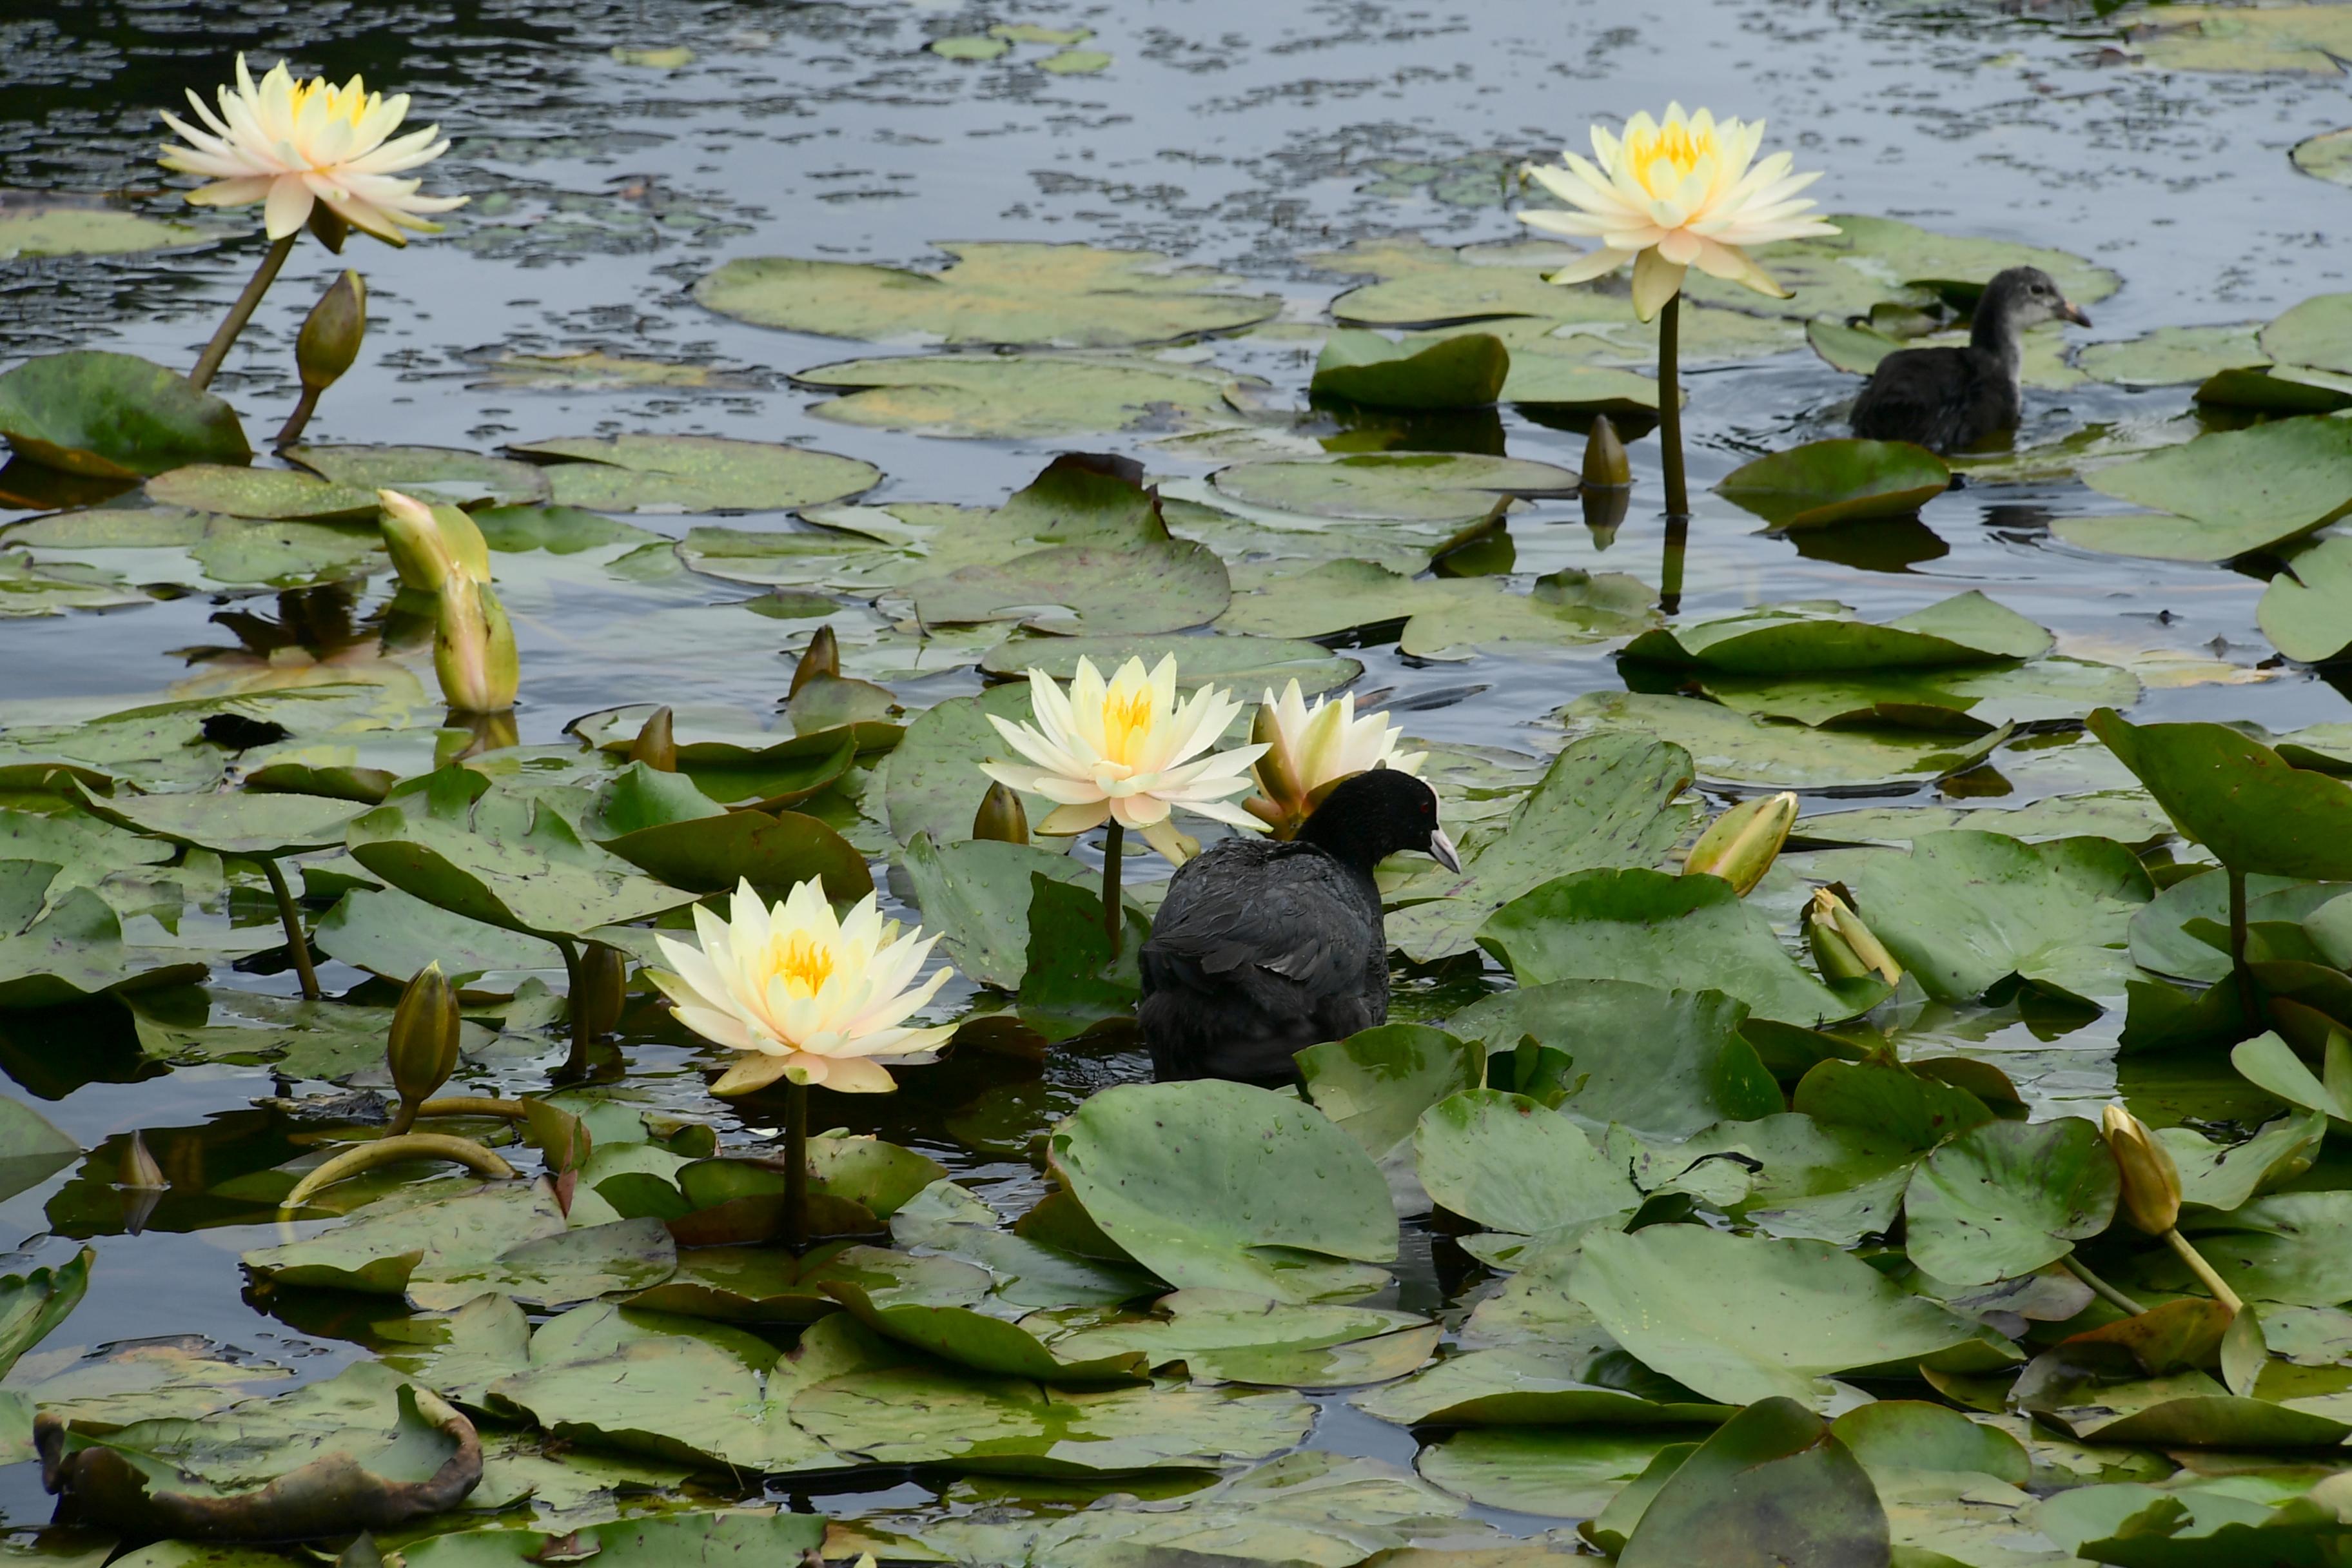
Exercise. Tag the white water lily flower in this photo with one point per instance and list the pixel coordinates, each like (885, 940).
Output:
(1675, 196)
(812, 999)
(1127, 751)
(1310, 748)
(294, 144)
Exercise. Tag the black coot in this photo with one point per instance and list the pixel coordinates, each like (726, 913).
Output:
(1950, 399)
(1263, 948)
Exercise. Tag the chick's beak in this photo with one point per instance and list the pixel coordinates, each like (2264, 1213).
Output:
(2071, 311)
(1440, 849)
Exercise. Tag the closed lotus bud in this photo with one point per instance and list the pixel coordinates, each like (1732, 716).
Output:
(655, 745)
(1606, 466)
(1742, 845)
(140, 1173)
(2151, 1182)
(822, 657)
(474, 649)
(430, 544)
(603, 987)
(331, 333)
(1001, 816)
(423, 1049)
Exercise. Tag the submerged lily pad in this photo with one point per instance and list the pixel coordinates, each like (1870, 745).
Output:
(1824, 484)
(1026, 397)
(1063, 295)
(2227, 493)
(114, 415)
(694, 473)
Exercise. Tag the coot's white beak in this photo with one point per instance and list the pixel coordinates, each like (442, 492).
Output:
(1440, 849)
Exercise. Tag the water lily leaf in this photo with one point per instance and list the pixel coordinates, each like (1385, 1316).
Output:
(661, 823)
(1062, 296)
(1543, 1384)
(442, 474)
(1891, 1435)
(1507, 1164)
(2308, 609)
(1223, 1184)
(1741, 1318)
(114, 417)
(1233, 1337)
(1075, 62)
(2317, 333)
(1428, 486)
(1084, 588)
(2229, 493)
(394, 934)
(1247, 664)
(2126, 815)
(1816, 638)
(1823, 484)
(987, 1345)
(33, 1304)
(1889, 1099)
(2224, 1176)
(2188, 1408)
(2238, 798)
(694, 473)
(659, 1541)
(934, 785)
(969, 46)
(2278, 389)
(275, 494)
(1029, 1273)
(2285, 1246)
(767, 1285)
(2269, 1062)
(976, 895)
(2174, 356)
(554, 1271)
(59, 949)
(1375, 1084)
(1663, 1064)
(1965, 913)
(1563, 1472)
(31, 1151)
(1687, 933)
(2004, 1198)
(506, 861)
(2161, 934)
(378, 1248)
(1772, 1485)
(25, 592)
(299, 1039)
(1443, 617)
(1462, 371)
(1736, 748)
(265, 824)
(58, 223)
(364, 1448)
(1967, 699)
(1027, 397)
(2300, 38)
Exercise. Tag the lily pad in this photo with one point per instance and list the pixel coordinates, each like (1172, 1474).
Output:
(377, 1249)
(394, 934)
(62, 949)
(767, 1285)
(1462, 371)
(1735, 748)
(2229, 493)
(1824, 484)
(235, 822)
(2238, 798)
(1967, 699)
(2174, 356)
(662, 823)
(1507, 1164)
(554, 1271)
(1446, 618)
(694, 473)
(443, 474)
(114, 417)
(659, 1541)
(1543, 1384)
(1565, 1473)
(1027, 397)
(31, 1151)
(1152, 586)
(1244, 663)
(57, 223)
(273, 494)
(1222, 1185)
(2308, 609)
(1772, 1485)
(1816, 638)
(1375, 1084)
(976, 895)
(1430, 487)
(1062, 296)
(2005, 1198)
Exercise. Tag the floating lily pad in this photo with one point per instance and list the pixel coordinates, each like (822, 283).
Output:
(441, 474)
(1462, 372)
(2005, 1198)
(394, 934)
(31, 1151)
(1375, 1084)
(1772, 1485)
(580, 1264)
(114, 417)
(379, 1247)
(976, 895)
(1029, 1273)
(1543, 1384)
(1443, 617)
(1064, 295)
(237, 823)
(1823, 484)
(57, 223)
(2174, 356)
(26, 591)
(1247, 664)
(1026, 397)
(1507, 1162)
(2308, 39)
(2308, 609)
(1084, 588)
(2238, 798)
(659, 1541)
(967, 47)
(2315, 333)
(767, 1285)
(1433, 487)
(1821, 638)
(1731, 746)
(1565, 1473)
(298, 1038)
(662, 823)
(276, 494)
(59, 949)
(1966, 700)
(694, 473)
(2229, 493)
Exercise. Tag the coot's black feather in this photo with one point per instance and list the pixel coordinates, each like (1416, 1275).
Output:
(1262, 949)
(1948, 399)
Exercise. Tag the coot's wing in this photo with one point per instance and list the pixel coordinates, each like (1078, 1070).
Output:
(1915, 394)
(1286, 928)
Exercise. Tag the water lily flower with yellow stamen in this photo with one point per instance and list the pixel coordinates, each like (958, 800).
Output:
(1127, 752)
(1309, 750)
(292, 145)
(1670, 196)
(809, 998)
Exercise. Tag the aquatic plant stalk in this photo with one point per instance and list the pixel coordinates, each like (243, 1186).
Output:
(224, 337)
(475, 1105)
(575, 1066)
(2249, 1006)
(1114, 851)
(2204, 1271)
(388, 1151)
(1670, 422)
(795, 1164)
(288, 916)
(2100, 1287)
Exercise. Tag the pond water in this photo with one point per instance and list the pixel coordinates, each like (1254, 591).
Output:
(1243, 138)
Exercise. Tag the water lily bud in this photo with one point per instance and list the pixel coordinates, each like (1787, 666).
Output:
(419, 550)
(655, 745)
(1742, 845)
(2151, 1195)
(1606, 466)
(140, 1173)
(1832, 953)
(474, 649)
(822, 657)
(329, 228)
(331, 333)
(1001, 816)
(423, 1049)
(1859, 937)
(601, 989)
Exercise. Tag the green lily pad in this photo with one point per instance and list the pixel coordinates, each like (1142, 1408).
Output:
(1814, 638)
(2224, 1176)
(265, 825)
(967, 47)
(31, 1150)
(2269, 1063)
(1428, 486)
(662, 823)
(280, 495)
(1029, 1273)
(767, 1285)
(976, 895)
(2327, 156)
(1688, 933)
(1741, 1318)
(59, 949)
(1967, 699)
(1566, 1473)
(378, 1248)
(2005, 1198)
(2308, 39)
(1966, 912)
(1772, 1485)
(661, 1540)
(445, 475)
(1375, 1084)
(58, 223)
(1088, 589)
(1447, 618)
(987, 1345)
(933, 785)
(1541, 1384)
(1824, 484)
(394, 934)
(1732, 747)
(1463, 372)
(2126, 815)
(2308, 609)
(1062, 296)
(1222, 1185)
(554, 1271)
(2161, 941)
(2238, 798)
(694, 473)
(1027, 397)
(1247, 664)
(2174, 356)
(299, 1039)
(1233, 1337)
(1075, 62)
(114, 417)
(26, 591)
(1505, 1162)
(2317, 333)
(33, 1304)
(2230, 492)
(1888, 1100)
(2284, 1246)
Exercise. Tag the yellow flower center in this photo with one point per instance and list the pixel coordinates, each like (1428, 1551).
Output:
(1127, 724)
(1672, 144)
(349, 107)
(799, 960)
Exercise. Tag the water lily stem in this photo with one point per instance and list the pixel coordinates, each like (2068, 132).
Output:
(2204, 1271)
(2249, 1004)
(795, 1164)
(388, 1151)
(1670, 410)
(304, 406)
(208, 364)
(475, 1105)
(575, 1066)
(296, 942)
(2101, 1288)
(1670, 570)
(1114, 851)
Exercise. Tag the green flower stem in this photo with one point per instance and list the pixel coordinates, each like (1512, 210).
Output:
(1114, 851)
(2101, 1288)
(475, 1105)
(2204, 1271)
(1670, 410)
(297, 941)
(795, 1164)
(390, 1151)
(304, 406)
(1670, 570)
(208, 364)
(575, 1066)
(2249, 1004)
